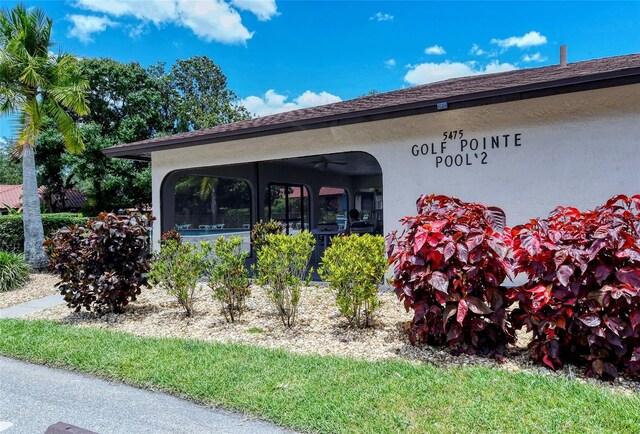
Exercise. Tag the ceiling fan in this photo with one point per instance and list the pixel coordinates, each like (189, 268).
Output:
(323, 163)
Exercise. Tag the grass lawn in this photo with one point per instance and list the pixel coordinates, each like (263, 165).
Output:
(329, 394)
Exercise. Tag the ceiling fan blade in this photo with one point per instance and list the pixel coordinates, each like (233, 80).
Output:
(326, 161)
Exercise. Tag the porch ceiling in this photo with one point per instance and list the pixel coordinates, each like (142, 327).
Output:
(349, 164)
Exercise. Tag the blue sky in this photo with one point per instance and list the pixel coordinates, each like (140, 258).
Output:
(280, 55)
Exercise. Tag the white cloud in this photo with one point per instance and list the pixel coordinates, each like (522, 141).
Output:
(85, 26)
(530, 39)
(435, 49)
(272, 102)
(391, 63)
(310, 99)
(263, 9)
(379, 16)
(136, 31)
(211, 20)
(535, 57)
(432, 72)
(476, 50)
(156, 11)
(495, 66)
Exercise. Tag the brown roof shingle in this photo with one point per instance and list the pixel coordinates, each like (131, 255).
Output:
(456, 89)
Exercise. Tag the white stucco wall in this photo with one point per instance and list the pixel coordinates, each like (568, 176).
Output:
(576, 149)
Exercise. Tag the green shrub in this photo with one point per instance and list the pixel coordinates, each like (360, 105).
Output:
(103, 265)
(13, 271)
(282, 265)
(12, 231)
(228, 276)
(177, 268)
(354, 267)
(260, 231)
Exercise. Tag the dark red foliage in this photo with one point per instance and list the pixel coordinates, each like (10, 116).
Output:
(449, 265)
(104, 265)
(582, 300)
(171, 234)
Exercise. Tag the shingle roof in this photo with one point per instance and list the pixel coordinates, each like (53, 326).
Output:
(456, 89)
(11, 196)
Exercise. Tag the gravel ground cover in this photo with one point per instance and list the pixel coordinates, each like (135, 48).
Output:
(39, 285)
(319, 330)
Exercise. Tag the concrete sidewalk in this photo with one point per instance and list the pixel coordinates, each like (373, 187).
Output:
(33, 397)
(28, 307)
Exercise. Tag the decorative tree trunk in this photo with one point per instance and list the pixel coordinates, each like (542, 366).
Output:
(31, 217)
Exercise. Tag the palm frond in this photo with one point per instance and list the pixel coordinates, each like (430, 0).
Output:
(71, 133)
(32, 73)
(208, 186)
(30, 122)
(11, 99)
(68, 87)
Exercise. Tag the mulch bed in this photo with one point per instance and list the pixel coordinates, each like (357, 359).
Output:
(320, 330)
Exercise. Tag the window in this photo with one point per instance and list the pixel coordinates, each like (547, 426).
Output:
(288, 203)
(368, 202)
(334, 206)
(207, 207)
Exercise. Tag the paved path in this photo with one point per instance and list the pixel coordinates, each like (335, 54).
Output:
(33, 397)
(28, 307)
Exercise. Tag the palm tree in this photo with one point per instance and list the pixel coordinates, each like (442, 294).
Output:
(38, 86)
(208, 189)
(207, 186)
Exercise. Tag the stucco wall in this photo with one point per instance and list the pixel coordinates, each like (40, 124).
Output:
(576, 149)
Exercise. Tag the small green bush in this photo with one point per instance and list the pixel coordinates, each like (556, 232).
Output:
(103, 265)
(260, 231)
(282, 265)
(228, 276)
(12, 231)
(354, 267)
(177, 268)
(13, 271)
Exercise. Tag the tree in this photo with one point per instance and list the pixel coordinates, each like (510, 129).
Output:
(53, 168)
(200, 97)
(206, 186)
(125, 100)
(10, 170)
(130, 103)
(37, 85)
(126, 105)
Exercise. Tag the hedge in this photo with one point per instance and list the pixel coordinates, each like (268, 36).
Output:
(12, 232)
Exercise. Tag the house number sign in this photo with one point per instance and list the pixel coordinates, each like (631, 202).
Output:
(457, 149)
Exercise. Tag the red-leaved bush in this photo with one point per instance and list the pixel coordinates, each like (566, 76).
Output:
(582, 300)
(449, 266)
(104, 265)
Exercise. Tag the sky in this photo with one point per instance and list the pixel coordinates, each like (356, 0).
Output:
(282, 55)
